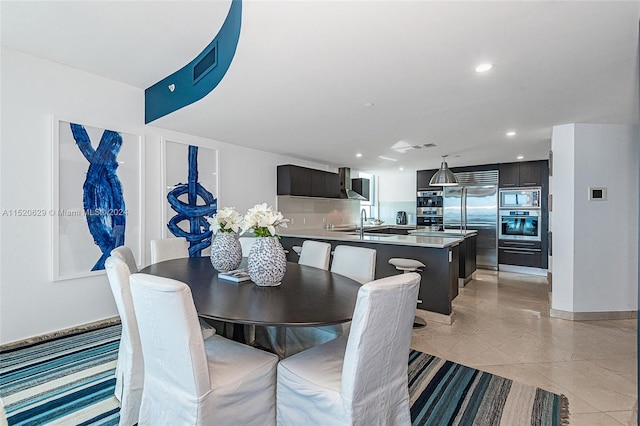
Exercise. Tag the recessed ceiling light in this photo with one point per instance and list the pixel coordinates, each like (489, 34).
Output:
(368, 104)
(358, 155)
(386, 158)
(519, 157)
(511, 133)
(484, 67)
(401, 168)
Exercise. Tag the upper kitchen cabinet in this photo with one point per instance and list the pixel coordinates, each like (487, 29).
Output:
(361, 186)
(306, 182)
(423, 178)
(331, 185)
(521, 174)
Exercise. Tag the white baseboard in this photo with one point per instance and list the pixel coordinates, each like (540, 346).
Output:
(593, 316)
(60, 333)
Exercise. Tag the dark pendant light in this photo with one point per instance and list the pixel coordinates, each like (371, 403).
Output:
(444, 176)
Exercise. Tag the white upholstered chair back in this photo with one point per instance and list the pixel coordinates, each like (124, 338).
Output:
(3, 416)
(125, 254)
(357, 263)
(172, 342)
(374, 372)
(130, 369)
(316, 254)
(169, 248)
(246, 243)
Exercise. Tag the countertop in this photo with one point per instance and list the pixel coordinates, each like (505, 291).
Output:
(340, 234)
(445, 233)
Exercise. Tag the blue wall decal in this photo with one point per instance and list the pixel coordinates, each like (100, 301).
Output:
(200, 76)
(199, 234)
(102, 198)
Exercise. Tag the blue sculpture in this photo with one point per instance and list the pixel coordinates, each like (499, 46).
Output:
(102, 192)
(199, 235)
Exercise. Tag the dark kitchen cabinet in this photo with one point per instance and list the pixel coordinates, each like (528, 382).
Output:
(294, 180)
(423, 178)
(527, 173)
(317, 183)
(531, 173)
(509, 175)
(306, 182)
(361, 186)
(331, 185)
(521, 253)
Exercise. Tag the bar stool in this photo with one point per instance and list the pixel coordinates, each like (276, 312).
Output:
(406, 266)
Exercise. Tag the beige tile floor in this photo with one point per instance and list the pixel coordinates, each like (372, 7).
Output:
(502, 326)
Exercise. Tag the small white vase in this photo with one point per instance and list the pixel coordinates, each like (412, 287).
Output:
(226, 251)
(267, 262)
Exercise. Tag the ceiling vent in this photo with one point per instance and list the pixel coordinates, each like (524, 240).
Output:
(403, 147)
(208, 61)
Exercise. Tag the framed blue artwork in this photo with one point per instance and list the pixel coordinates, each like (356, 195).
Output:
(97, 190)
(190, 193)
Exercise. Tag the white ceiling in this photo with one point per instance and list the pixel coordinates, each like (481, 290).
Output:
(304, 69)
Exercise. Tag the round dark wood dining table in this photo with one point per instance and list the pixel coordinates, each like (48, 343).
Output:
(307, 296)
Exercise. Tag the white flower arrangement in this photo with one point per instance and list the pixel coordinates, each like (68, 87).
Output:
(263, 221)
(227, 219)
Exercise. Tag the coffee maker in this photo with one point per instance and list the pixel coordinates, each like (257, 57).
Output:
(401, 218)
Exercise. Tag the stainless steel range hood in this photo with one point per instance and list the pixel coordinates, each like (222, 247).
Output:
(345, 185)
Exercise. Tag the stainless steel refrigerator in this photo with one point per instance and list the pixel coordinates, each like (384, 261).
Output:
(480, 191)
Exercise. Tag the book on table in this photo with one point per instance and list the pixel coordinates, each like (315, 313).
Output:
(236, 275)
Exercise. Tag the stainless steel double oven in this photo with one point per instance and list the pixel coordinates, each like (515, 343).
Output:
(520, 216)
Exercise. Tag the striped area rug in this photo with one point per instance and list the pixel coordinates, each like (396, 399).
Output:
(65, 381)
(446, 393)
(70, 381)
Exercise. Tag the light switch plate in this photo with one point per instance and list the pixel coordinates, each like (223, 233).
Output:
(597, 193)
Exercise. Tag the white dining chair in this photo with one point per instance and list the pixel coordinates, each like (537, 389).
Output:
(316, 254)
(169, 248)
(3, 416)
(125, 254)
(357, 263)
(194, 381)
(130, 365)
(359, 379)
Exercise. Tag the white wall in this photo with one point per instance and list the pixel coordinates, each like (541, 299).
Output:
(396, 192)
(396, 186)
(595, 243)
(35, 90)
(562, 143)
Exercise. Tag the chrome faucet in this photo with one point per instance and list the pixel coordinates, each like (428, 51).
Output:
(363, 217)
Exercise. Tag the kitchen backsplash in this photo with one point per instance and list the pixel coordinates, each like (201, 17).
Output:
(387, 211)
(308, 212)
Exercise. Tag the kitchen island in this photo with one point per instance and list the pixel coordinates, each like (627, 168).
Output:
(467, 250)
(440, 254)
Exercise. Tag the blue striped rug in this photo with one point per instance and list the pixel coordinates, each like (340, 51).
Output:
(70, 381)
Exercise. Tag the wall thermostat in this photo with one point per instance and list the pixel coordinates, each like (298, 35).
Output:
(597, 193)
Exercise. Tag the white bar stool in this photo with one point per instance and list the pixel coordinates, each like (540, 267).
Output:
(406, 266)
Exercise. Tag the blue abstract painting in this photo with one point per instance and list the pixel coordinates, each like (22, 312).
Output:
(192, 202)
(103, 199)
(97, 188)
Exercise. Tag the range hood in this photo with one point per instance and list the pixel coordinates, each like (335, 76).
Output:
(345, 185)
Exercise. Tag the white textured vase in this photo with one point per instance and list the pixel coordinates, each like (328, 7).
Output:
(226, 251)
(267, 262)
